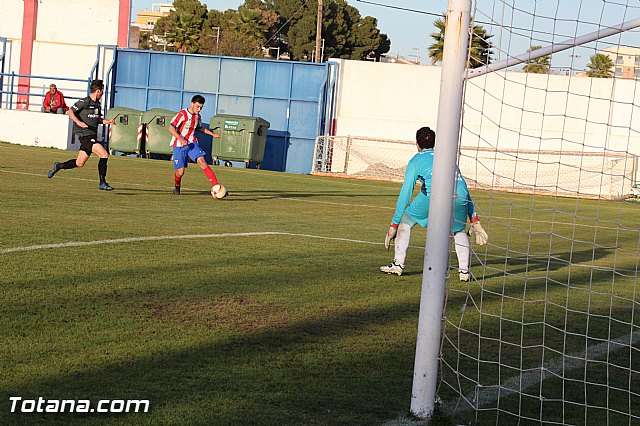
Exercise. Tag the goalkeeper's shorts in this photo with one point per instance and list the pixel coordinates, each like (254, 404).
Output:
(418, 213)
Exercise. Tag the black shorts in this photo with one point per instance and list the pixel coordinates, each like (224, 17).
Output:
(86, 143)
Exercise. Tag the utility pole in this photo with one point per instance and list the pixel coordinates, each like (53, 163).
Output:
(217, 30)
(318, 57)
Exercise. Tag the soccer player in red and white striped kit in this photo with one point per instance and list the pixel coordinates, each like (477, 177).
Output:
(185, 143)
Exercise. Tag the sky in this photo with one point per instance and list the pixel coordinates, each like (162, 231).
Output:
(537, 22)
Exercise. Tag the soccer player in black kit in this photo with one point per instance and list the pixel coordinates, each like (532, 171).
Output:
(86, 115)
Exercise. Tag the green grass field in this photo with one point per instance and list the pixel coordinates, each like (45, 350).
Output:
(267, 307)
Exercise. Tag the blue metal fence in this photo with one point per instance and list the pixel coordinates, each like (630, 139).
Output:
(290, 95)
(12, 83)
(8, 82)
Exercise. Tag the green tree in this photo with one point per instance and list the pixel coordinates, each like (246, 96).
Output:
(370, 42)
(242, 32)
(600, 66)
(479, 50)
(258, 25)
(183, 27)
(539, 65)
(345, 33)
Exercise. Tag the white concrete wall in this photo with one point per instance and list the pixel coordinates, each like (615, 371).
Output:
(68, 33)
(384, 100)
(508, 110)
(11, 29)
(513, 110)
(36, 129)
(10, 25)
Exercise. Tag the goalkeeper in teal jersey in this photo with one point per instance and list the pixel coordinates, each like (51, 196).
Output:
(409, 213)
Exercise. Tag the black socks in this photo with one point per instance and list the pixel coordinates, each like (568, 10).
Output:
(69, 164)
(102, 169)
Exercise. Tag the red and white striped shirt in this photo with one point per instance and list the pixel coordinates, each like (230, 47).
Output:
(186, 124)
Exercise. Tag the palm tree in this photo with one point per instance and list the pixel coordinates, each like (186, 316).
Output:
(539, 65)
(184, 33)
(249, 22)
(479, 50)
(600, 66)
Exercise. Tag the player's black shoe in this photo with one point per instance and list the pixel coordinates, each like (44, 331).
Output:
(105, 186)
(56, 167)
(176, 190)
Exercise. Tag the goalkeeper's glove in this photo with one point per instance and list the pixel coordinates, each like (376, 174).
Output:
(481, 235)
(391, 235)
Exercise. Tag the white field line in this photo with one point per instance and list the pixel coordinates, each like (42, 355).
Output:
(178, 237)
(556, 368)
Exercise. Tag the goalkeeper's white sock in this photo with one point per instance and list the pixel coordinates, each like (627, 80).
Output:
(463, 251)
(403, 237)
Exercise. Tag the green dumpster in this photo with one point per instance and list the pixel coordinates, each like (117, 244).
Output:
(242, 138)
(157, 136)
(126, 135)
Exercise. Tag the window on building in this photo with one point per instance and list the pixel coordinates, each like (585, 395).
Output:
(636, 73)
(618, 72)
(637, 61)
(151, 22)
(619, 59)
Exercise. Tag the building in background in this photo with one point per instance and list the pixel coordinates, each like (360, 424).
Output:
(626, 61)
(387, 58)
(146, 20)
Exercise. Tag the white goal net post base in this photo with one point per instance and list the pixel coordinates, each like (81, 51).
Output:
(588, 174)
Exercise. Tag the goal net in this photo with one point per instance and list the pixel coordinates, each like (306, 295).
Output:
(548, 329)
(594, 174)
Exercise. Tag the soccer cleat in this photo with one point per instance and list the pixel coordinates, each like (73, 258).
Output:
(465, 276)
(105, 186)
(176, 190)
(56, 167)
(392, 268)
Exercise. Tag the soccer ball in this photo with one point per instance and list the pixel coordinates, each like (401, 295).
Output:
(218, 191)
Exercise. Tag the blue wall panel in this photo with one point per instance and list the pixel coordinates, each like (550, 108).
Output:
(289, 95)
(237, 76)
(132, 68)
(275, 151)
(299, 155)
(308, 82)
(273, 79)
(166, 71)
(272, 110)
(201, 74)
(236, 105)
(302, 120)
(132, 98)
(166, 99)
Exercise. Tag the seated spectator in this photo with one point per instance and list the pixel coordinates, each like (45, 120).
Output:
(54, 101)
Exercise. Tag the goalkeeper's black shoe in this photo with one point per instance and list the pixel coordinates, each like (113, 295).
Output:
(56, 167)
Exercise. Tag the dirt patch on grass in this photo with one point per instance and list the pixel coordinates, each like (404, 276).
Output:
(239, 313)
